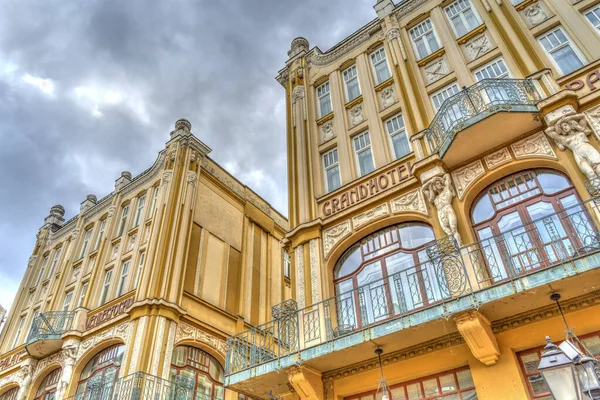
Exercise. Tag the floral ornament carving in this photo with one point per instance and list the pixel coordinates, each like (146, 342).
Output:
(440, 192)
(192, 178)
(301, 297)
(535, 14)
(387, 96)
(571, 132)
(436, 70)
(356, 115)
(185, 331)
(12, 378)
(371, 215)
(410, 202)
(497, 158)
(478, 46)
(466, 176)
(314, 272)
(327, 131)
(533, 146)
(119, 331)
(334, 234)
(298, 93)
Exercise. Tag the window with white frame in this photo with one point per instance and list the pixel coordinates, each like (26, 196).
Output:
(351, 83)
(324, 96)
(380, 65)
(123, 220)
(42, 269)
(82, 293)
(463, 17)
(54, 262)
(397, 132)
(287, 265)
(593, 15)
(140, 211)
(424, 39)
(565, 54)
(123, 278)
(105, 286)
(364, 156)
(440, 96)
(100, 234)
(86, 241)
(19, 331)
(138, 273)
(494, 70)
(67, 301)
(332, 170)
(153, 205)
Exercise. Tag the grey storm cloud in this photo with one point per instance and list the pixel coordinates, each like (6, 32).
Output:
(91, 88)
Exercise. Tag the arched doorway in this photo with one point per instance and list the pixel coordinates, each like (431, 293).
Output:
(10, 394)
(527, 221)
(385, 274)
(47, 389)
(201, 368)
(100, 373)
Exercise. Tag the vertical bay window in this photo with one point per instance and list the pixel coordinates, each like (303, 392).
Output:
(138, 273)
(324, 96)
(364, 155)
(123, 220)
(54, 262)
(100, 234)
(86, 241)
(123, 278)
(380, 65)
(593, 15)
(397, 131)
(140, 211)
(463, 17)
(19, 331)
(351, 83)
(67, 301)
(332, 170)
(287, 265)
(565, 54)
(105, 286)
(82, 294)
(424, 39)
(42, 269)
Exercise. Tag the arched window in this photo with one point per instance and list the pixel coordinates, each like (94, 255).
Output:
(385, 274)
(47, 389)
(202, 368)
(10, 394)
(100, 373)
(527, 221)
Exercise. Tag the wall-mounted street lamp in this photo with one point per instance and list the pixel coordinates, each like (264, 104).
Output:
(382, 389)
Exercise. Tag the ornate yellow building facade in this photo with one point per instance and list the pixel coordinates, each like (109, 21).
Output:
(135, 296)
(443, 163)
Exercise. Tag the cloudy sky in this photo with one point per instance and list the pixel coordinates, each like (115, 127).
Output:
(91, 88)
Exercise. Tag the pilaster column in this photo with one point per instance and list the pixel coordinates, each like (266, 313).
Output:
(70, 348)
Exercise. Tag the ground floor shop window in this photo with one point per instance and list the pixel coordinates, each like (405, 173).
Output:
(47, 389)
(10, 394)
(450, 385)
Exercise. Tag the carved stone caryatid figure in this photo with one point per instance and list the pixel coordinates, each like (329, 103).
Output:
(70, 350)
(571, 131)
(24, 377)
(440, 192)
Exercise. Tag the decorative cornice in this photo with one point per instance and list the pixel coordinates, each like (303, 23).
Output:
(320, 59)
(406, 7)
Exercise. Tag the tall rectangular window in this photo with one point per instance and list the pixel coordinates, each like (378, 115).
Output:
(397, 131)
(424, 39)
(565, 54)
(82, 294)
(593, 15)
(154, 200)
(364, 156)
(332, 170)
(463, 17)
(140, 210)
(324, 97)
(123, 279)
(380, 65)
(54, 262)
(86, 241)
(440, 96)
(68, 299)
(351, 83)
(495, 70)
(105, 286)
(287, 265)
(18, 332)
(100, 234)
(42, 269)
(138, 272)
(123, 220)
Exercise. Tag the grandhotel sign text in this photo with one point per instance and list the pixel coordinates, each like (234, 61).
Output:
(364, 191)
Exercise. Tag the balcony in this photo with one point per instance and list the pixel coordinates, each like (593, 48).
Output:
(561, 249)
(474, 120)
(46, 331)
(139, 386)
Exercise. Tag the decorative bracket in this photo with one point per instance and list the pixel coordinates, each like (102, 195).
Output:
(307, 383)
(476, 329)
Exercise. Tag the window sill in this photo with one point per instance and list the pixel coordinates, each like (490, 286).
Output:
(470, 35)
(388, 82)
(427, 59)
(354, 102)
(324, 119)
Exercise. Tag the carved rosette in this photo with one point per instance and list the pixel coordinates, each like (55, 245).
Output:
(533, 146)
(410, 202)
(334, 234)
(370, 216)
(466, 176)
(498, 158)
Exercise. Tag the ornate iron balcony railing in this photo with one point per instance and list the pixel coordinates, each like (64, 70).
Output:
(593, 187)
(474, 104)
(50, 325)
(450, 274)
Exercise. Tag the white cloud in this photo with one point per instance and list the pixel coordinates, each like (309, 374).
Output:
(99, 97)
(45, 85)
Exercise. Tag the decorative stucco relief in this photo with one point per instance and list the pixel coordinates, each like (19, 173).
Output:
(321, 59)
(58, 358)
(315, 282)
(440, 192)
(436, 70)
(12, 378)
(535, 14)
(410, 202)
(159, 339)
(593, 117)
(169, 349)
(120, 331)
(356, 115)
(327, 132)
(334, 234)
(185, 331)
(498, 158)
(466, 176)
(300, 276)
(478, 46)
(533, 146)
(371, 215)
(388, 97)
(114, 252)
